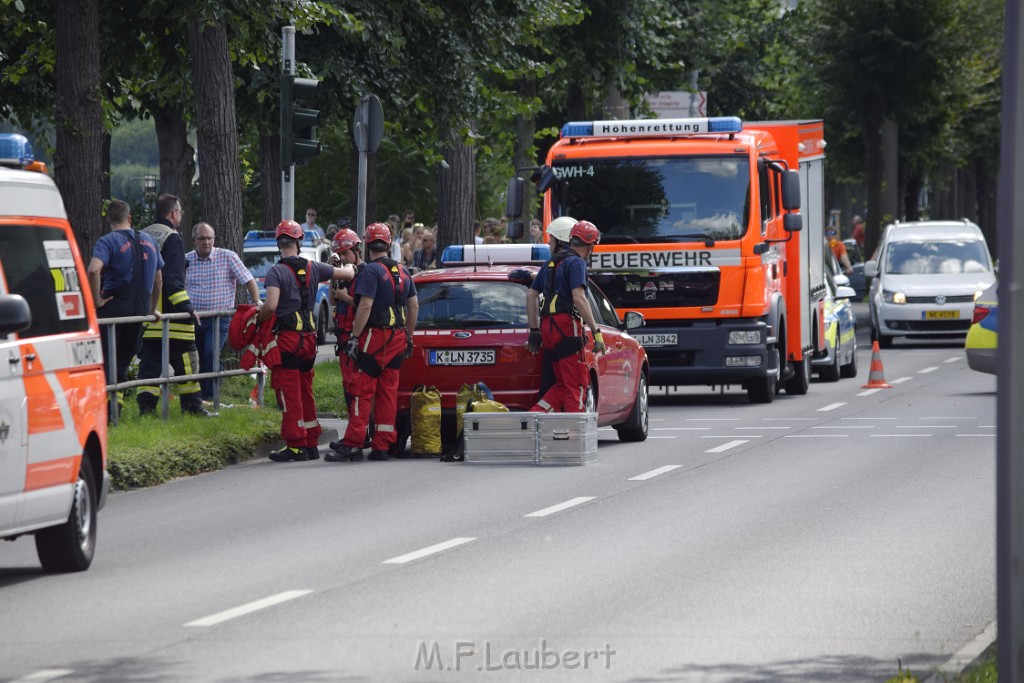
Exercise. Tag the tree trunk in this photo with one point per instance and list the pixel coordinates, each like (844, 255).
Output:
(220, 179)
(270, 169)
(576, 103)
(890, 171)
(457, 202)
(77, 162)
(177, 158)
(912, 197)
(873, 173)
(987, 203)
(526, 128)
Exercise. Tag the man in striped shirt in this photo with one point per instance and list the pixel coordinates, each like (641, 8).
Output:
(212, 275)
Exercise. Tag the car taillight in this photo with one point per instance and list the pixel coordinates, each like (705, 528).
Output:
(979, 314)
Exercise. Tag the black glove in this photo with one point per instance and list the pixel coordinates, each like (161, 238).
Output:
(352, 348)
(533, 341)
(408, 348)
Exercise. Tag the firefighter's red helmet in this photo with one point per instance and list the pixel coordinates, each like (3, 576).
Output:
(378, 232)
(586, 231)
(343, 241)
(289, 229)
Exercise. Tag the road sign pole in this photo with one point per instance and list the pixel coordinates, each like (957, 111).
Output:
(362, 129)
(288, 174)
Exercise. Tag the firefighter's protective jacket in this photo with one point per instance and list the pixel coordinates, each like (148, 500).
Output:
(174, 298)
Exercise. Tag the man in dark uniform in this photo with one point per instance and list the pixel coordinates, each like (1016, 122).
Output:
(182, 354)
(386, 311)
(291, 295)
(560, 331)
(125, 278)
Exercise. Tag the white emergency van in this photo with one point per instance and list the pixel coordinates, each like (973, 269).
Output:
(53, 409)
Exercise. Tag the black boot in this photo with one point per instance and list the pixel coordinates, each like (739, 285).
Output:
(344, 453)
(289, 453)
(378, 455)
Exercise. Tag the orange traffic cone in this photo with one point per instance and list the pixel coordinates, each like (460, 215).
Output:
(876, 378)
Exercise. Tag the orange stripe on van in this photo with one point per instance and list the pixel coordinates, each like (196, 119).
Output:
(41, 475)
(43, 411)
(84, 390)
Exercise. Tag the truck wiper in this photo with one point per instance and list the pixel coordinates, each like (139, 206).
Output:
(708, 240)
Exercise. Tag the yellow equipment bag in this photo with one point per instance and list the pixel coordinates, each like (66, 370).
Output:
(486, 405)
(468, 392)
(425, 419)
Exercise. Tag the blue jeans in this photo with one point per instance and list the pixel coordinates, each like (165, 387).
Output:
(204, 343)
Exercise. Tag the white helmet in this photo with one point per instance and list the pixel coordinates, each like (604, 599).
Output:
(561, 227)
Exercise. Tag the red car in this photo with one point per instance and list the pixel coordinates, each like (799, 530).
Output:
(472, 328)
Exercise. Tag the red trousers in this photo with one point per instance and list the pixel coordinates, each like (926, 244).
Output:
(293, 383)
(562, 336)
(378, 395)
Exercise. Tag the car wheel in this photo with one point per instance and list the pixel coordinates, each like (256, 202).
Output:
(884, 341)
(636, 425)
(763, 389)
(321, 325)
(831, 372)
(797, 384)
(850, 369)
(70, 546)
(590, 403)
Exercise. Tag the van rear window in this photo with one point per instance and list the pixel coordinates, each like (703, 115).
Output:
(38, 264)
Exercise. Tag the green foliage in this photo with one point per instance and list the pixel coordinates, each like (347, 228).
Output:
(149, 451)
(134, 142)
(327, 389)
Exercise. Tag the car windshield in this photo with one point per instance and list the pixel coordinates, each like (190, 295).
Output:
(674, 199)
(259, 262)
(449, 305)
(937, 258)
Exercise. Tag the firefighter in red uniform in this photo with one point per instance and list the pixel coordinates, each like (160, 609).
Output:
(291, 294)
(386, 310)
(345, 248)
(563, 280)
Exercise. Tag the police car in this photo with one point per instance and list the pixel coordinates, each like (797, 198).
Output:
(259, 253)
(53, 408)
(472, 327)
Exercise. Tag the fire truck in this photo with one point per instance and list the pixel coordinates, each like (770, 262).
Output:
(712, 228)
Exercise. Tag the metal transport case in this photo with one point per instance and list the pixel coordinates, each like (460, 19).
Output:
(566, 438)
(500, 438)
(539, 438)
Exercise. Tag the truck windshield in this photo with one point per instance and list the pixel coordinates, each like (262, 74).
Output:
(663, 199)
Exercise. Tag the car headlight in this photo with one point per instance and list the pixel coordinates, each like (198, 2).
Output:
(893, 297)
(977, 295)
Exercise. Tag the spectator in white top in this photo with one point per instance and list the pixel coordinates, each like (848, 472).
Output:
(310, 223)
(212, 275)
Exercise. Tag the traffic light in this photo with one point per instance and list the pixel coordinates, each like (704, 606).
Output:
(298, 125)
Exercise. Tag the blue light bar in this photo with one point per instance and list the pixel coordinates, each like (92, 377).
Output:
(496, 254)
(652, 127)
(15, 150)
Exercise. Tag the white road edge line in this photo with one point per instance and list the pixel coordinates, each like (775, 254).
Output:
(965, 655)
(561, 506)
(726, 446)
(653, 473)
(430, 550)
(44, 675)
(249, 608)
(830, 406)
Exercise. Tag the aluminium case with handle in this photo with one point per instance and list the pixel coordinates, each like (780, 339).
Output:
(566, 438)
(500, 438)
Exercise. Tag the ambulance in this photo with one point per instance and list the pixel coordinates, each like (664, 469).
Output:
(53, 408)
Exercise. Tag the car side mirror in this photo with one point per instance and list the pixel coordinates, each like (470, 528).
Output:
(634, 319)
(15, 314)
(871, 269)
(845, 292)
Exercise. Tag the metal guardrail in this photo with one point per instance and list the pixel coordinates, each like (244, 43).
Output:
(166, 380)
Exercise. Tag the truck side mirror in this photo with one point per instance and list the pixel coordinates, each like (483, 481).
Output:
(514, 230)
(791, 190)
(792, 222)
(544, 178)
(514, 197)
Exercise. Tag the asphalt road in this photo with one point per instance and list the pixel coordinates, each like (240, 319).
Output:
(818, 538)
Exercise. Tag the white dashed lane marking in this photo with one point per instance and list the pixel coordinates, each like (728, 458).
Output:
(248, 608)
(430, 550)
(925, 371)
(726, 446)
(561, 506)
(653, 473)
(830, 406)
(44, 675)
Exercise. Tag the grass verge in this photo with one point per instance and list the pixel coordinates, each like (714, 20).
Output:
(149, 451)
(981, 670)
